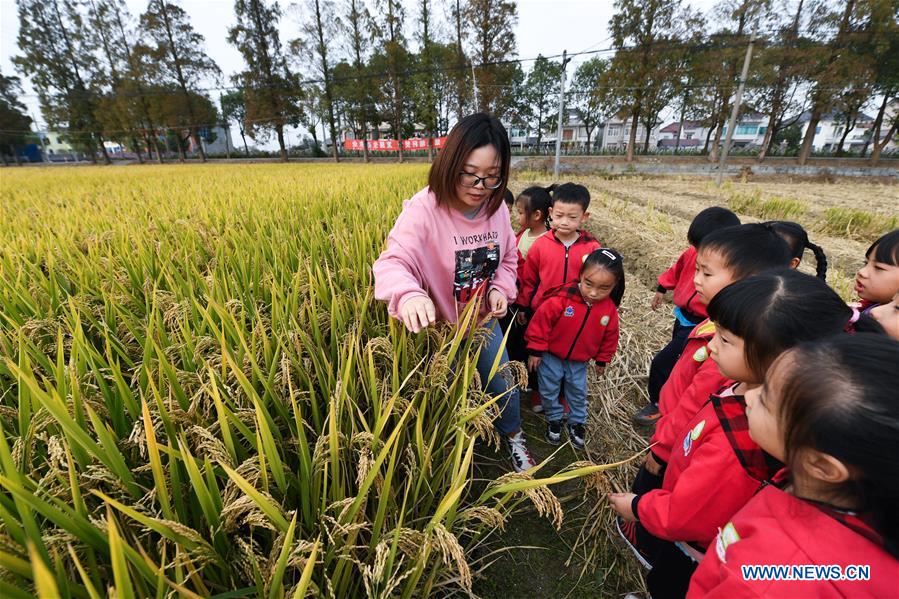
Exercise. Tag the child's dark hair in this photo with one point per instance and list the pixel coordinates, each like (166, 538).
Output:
(610, 260)
(839, 397)
(748, 249)
(885, 248)
(797, 239)
(537, 198)
(508, 198)
(775, 310)
(572, 193)
(708, 220)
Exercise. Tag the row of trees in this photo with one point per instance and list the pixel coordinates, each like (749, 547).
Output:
(355, 64)
(101, 74)
(812, 56)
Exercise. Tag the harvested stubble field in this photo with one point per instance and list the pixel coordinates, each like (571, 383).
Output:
(199, 395)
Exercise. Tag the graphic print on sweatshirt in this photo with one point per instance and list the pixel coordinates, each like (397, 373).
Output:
(474, 268)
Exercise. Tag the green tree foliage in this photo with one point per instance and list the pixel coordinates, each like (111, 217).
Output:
(57, 55)
(271, 91)
(179, 57)
(315, 47)
(14, 122)
(541, 88)
(235, 109)
(491, 47)
(589, 97)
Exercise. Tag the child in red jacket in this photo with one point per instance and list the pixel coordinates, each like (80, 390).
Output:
(828, 409)
(555, 258)
(577, 322)
(689, 311)
(724, 256)
(717, 466)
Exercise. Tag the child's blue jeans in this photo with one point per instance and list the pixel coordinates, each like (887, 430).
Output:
(550, 375)
(509, 420)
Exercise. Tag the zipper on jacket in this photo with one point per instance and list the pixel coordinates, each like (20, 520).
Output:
(583, 324)
(565, 269)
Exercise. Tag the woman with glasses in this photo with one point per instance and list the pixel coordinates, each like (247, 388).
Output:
(453, 243)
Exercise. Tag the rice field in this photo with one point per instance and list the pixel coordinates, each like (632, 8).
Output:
(200, 397)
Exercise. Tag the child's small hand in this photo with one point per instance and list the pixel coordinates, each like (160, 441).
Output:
(652, 465)
(521, 318)
(498, 303)
(621, 503)
(657, 300)
(534, 362)
(599, 369)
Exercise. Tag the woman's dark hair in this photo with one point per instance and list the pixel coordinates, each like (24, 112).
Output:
(886, 248)
(748, 249)
(610, 260)
(572, 193)
(537, 198)
(708, 220)
(474, 131)
(797, 239)
(839, 397)
(775, 310)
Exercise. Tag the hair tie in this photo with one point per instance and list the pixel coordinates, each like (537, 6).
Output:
(855, 316)
(608, 254)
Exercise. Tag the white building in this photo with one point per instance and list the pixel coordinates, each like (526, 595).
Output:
(830, 129)
(55, 146)
(692, 136)
(749, 132)
(616, 134)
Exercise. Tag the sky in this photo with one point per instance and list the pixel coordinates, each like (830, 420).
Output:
(544, 27)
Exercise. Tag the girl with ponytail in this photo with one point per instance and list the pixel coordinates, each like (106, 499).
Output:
(797, 238)
(828, 410)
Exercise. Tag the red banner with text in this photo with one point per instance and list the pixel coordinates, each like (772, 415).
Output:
(392, 145)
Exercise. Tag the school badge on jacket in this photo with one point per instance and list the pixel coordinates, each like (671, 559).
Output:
(569, 311)
(692, 436)
(727, 536)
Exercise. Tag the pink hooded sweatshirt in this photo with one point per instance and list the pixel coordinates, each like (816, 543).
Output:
(440, 253)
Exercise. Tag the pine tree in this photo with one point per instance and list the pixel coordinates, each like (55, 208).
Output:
(541, 90)
(57, 55)
(318, 27)
(271, 92)
(14, 122)
(181, 59)
(492, 48)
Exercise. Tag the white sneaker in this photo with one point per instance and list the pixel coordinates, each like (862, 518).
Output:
(519, 454)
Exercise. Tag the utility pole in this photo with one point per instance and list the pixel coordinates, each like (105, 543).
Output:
(733, 115)
(565, 60)
(474, 87)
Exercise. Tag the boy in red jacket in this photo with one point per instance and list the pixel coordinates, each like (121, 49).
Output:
(689, 311)
(556, 257)
(577, 322)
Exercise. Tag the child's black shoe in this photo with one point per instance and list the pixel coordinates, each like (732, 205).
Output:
(577, 434)
(554, 432)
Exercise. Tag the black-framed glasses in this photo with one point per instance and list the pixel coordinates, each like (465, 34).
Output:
(472, 180)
